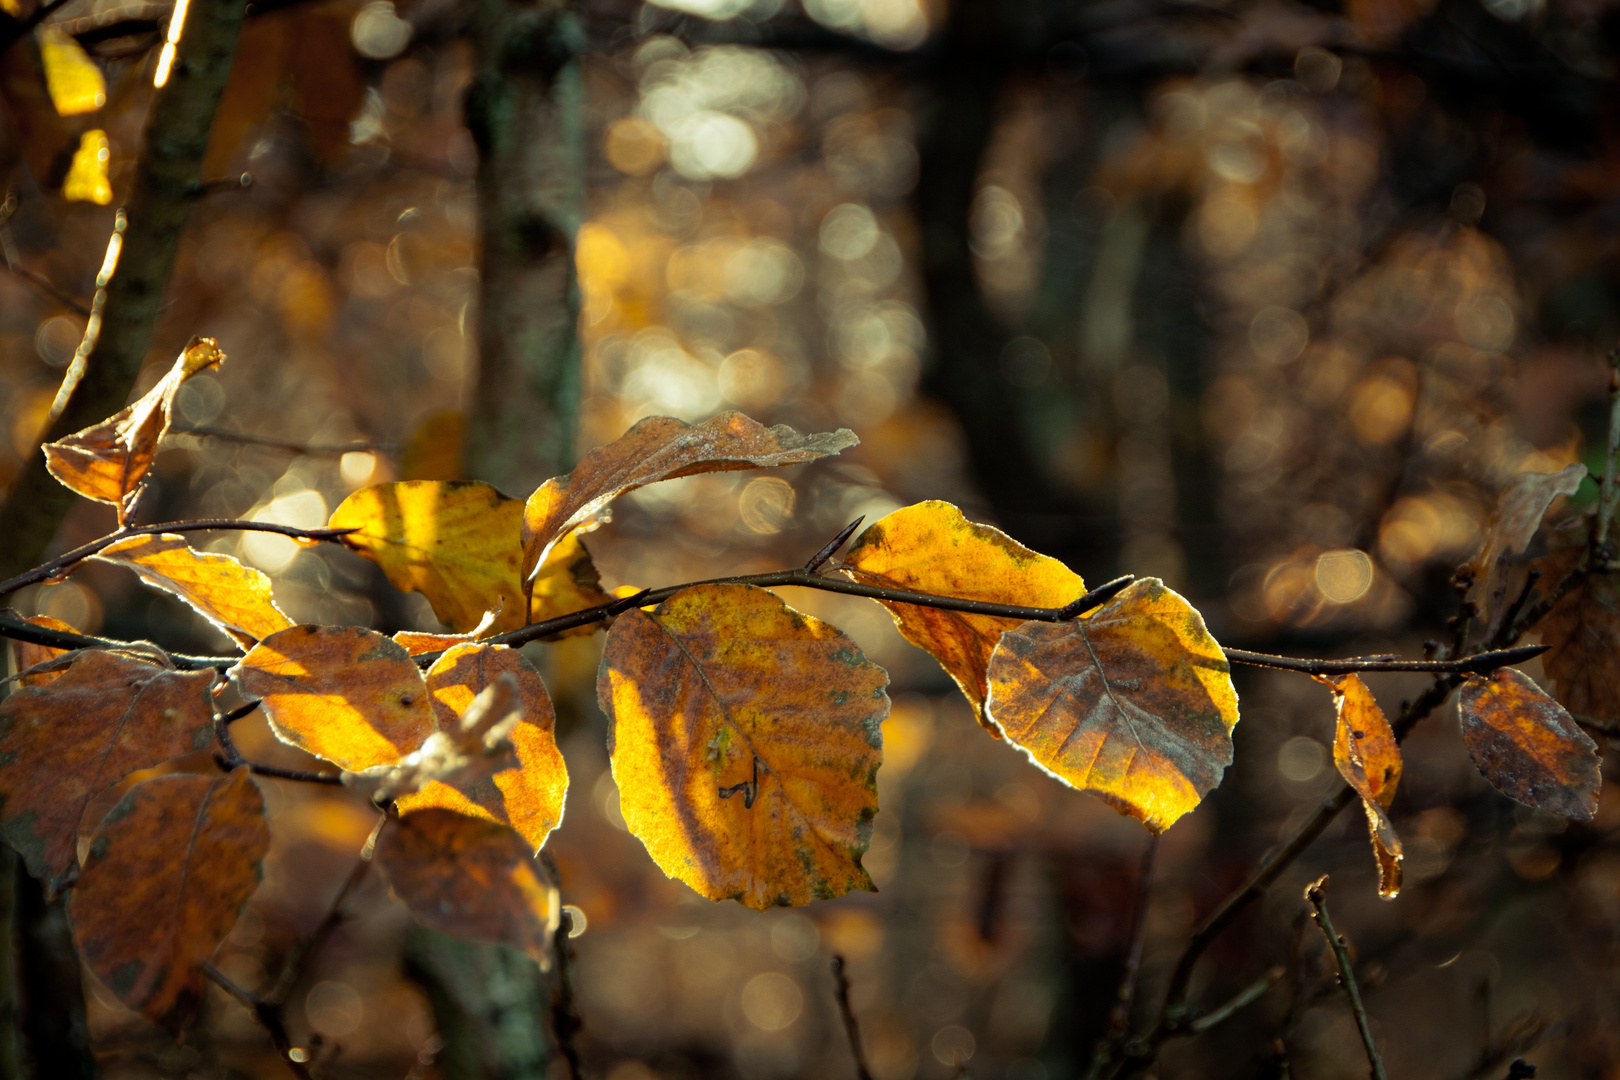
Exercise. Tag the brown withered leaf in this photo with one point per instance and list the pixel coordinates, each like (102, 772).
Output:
(108, 461)
(1368, 757)
(1519, 510)
(29, 654)
(64, 743)
(528, 797)
(346, 694)
(168, 872)
(235, 598)
(930, 547)
(1528, 747)
(661, 448)
(745, 739)
(1133, 704)
(1582, 631)
(469, 878)
(459, 543)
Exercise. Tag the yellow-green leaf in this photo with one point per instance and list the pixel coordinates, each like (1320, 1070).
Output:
(745, 741)
(233, 597)
(1133, 704)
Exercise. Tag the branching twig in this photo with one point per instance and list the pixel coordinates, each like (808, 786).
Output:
(1316, 893)
(1119, 1017)
(1241, 1000)
(851, 1029)
(1479, 662)
(268, 1016)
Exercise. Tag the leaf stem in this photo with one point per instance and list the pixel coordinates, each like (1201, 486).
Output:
(1316, 893)
(851, 1028)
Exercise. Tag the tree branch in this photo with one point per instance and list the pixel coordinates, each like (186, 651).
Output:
(852, 1030)
(1316, 893)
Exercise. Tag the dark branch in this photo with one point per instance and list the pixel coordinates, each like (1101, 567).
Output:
(1476, 664)
(833, 545)
(851, 1029)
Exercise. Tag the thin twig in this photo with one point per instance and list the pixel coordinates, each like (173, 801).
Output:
(230, 758)
(293, 969)
(268, 1016)
(833, 545)
(1316, 893)
(203, 431)
(49, 288)
(1609, 489)
(1241, 1000)
(565, 1019)
(852, 1029)
(1119, 1017)
(1479, 662)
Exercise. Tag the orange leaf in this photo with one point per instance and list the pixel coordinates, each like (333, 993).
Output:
(661, 448)
(469, 878)
(233, 597)
(1368, 757)
(1528, 747)
(29, 654)
(529, 797)
(64, 743)
(417, 642)
(169, 870)
(108, 461)
(931, 547)
(1133, 704)
(1519, 510)
(745, 739)
(346, 694)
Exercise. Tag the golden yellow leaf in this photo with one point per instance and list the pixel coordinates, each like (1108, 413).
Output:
(528, 797)
(1133, 704)
(930, 547)
(459, 544)
(661, 448)
(1368, 757)
(235, 598)
(417, 642)
(346, 694)
(470, 879)
(1528, 747)
(108, 461)
(89, 175)
(745, 740)
(29, 654)
(74, 81)
(169, 870)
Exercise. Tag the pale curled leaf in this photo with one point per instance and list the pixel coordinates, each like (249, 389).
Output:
(1133, 704)
(467, 755)
(1528, 747)
(168, 872)
(661, 448)
(745, 740)
(930, 547)
(1368, 757)
(1522, 504)
(65, 742)
(235, 598)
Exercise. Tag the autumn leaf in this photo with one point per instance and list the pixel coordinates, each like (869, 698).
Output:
(169, 870)
(1528, 747)
(1519, 510)
(745, 740)
(346, 694)
(1368, 757)
(1133, 704)
(108, 461)
(235, 598)
(74, 81)
(30, 655)
(930, 547)
(661, 448)
(529, 796)
(1582, 631)
(89, 173)
(469, 878)
(64, 743)
(459, 543)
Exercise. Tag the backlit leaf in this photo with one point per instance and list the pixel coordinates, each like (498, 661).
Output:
(66, 742)
(1368, 757)
(1582, 632)
(1519, 510)
(89, 174)
(169, 870)
(931, 547)
(1133, 704)
(661, 448)
(1528, 747)
(29, 654)
(469, 878)
(745, 741)
(108, 461)
(343, 693)
(235, 598)
(75, 81)
(529, 797)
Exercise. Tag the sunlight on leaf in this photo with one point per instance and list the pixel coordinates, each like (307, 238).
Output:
(235, 598)
(74, 81)
(1528, 747)
(1368, 757)
(1133, 704)
(745, 742)
(29, 654)
(89, 177)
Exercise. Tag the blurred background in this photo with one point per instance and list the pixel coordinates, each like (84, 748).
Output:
(1265, 298)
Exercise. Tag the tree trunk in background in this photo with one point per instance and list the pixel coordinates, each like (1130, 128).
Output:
(489, 1006)
(525, 110)
(55, 1035)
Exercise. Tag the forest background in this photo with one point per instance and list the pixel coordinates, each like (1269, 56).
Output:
(1268, 300)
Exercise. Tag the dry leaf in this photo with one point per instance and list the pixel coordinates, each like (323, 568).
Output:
(235, 598)
(1528, 747)
(29, 654)
(470, 879)
(1368, 757)
(745, 740)
(529, 796)
(930, 547)
(1133, 704)
(1519, 510)
(169, 870)
(661, 448)
(1582, 632)
(64, 743)
(108, 461)
(346, 694)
